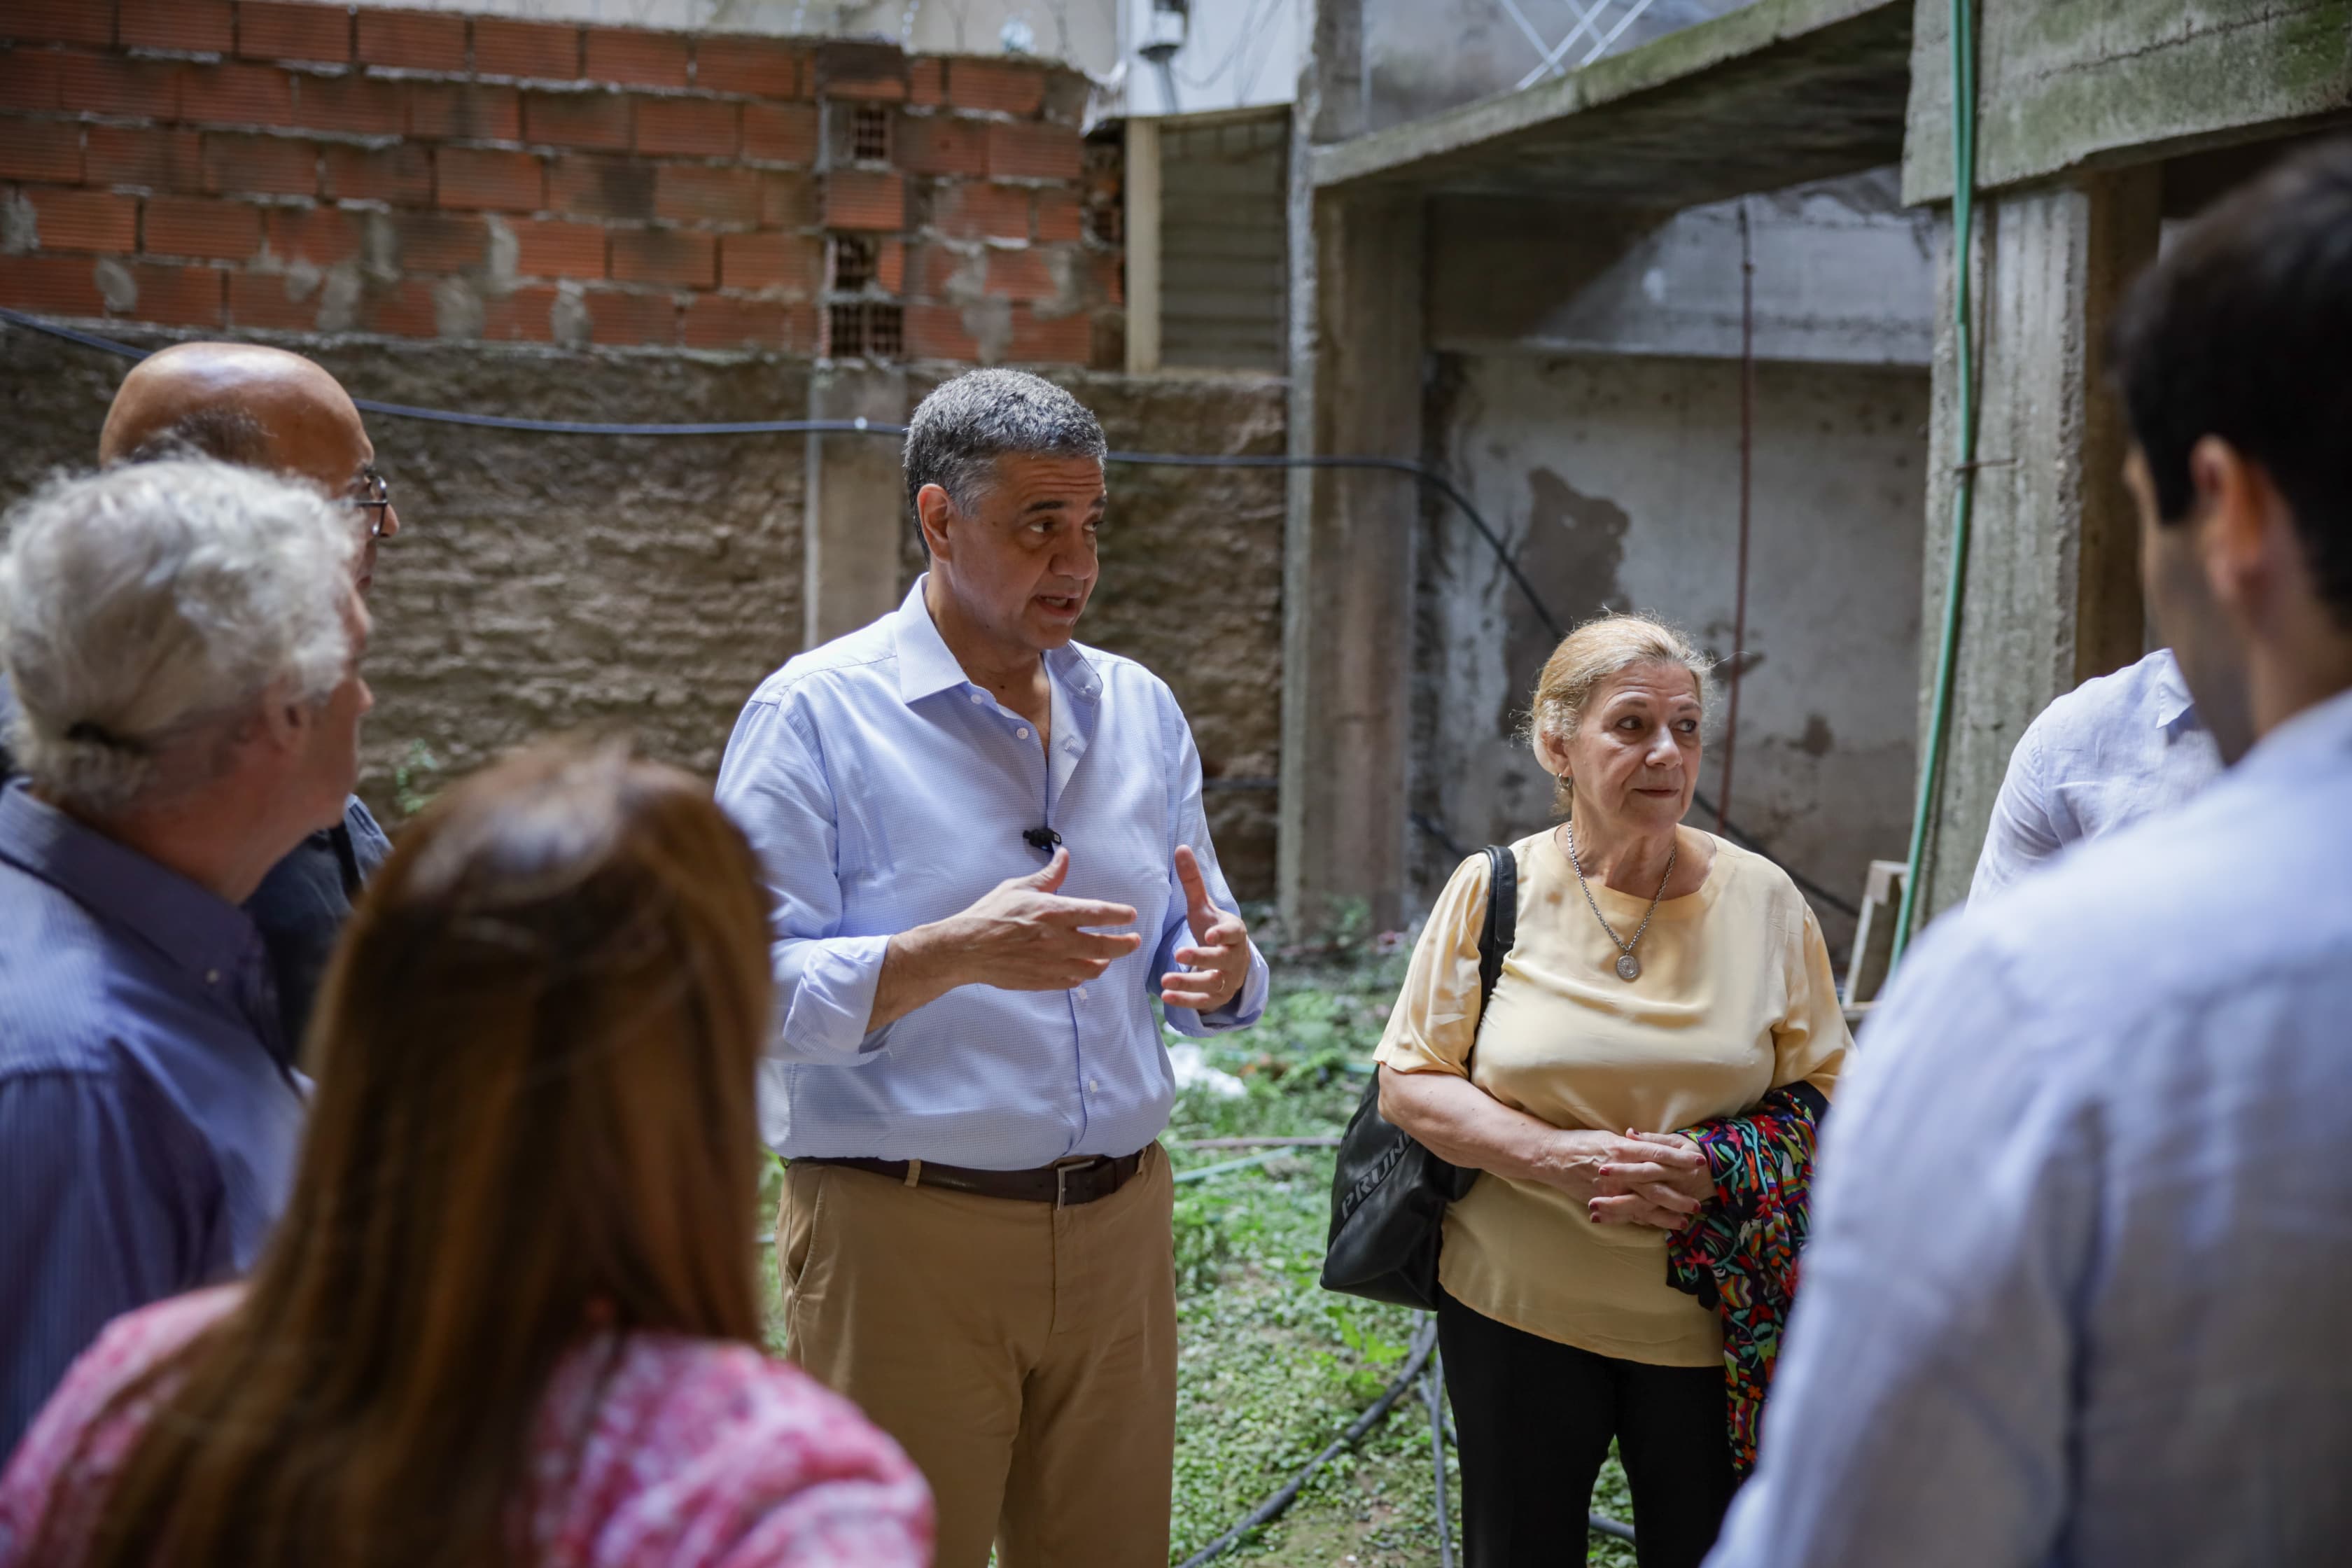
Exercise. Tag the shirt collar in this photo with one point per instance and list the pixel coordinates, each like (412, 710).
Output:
(193, 927)
(927, 667)
(2172, 704)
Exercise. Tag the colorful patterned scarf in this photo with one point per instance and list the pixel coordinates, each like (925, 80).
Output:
(1740, 1254)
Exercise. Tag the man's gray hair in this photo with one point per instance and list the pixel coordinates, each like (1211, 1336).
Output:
(965, 425)
(145, 605)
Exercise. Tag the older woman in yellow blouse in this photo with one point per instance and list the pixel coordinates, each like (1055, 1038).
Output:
(1660, 977)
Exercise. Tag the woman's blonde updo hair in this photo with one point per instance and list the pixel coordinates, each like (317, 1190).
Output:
(1602, 648)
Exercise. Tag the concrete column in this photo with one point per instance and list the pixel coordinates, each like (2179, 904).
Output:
(2051, 595)
(1347, 568)
(856, 503)
(1142, 237)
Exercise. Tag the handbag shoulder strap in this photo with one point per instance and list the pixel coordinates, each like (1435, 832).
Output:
(1501, 927)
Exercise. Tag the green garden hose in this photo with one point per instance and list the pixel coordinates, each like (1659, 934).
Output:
(1964, 475)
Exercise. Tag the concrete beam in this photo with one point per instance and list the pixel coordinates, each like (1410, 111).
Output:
(2051, 594)
(1774, 93)
(1844, 276)
(857, 509)
(2096, 82)
(1347, 564)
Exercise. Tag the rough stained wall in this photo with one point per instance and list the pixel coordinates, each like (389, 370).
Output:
(1191, 582)
(1616, 480)
(539, 582)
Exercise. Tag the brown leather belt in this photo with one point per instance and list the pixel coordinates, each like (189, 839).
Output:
(1065, 1186)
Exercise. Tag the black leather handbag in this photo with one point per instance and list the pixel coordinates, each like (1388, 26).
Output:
(1389, 1194)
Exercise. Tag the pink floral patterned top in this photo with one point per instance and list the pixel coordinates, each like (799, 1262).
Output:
(697, 1454)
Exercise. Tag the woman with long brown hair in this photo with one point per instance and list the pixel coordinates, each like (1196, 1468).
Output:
(511, 1316)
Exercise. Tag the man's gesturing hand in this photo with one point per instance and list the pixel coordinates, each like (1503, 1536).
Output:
(1217, 965)
(1022, 935)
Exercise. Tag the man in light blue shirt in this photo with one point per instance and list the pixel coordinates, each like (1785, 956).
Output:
(988, 857)
(2115, 749)
(2083, 1237)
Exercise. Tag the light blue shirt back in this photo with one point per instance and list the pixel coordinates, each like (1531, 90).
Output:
(883, 789)
(2081, 1250)
(2114, 750)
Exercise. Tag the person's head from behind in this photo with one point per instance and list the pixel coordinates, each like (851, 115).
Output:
(257, 407)
(1617, 719)
(1004, 471)
(533, 1123)
(183, 641)
(2233, 355)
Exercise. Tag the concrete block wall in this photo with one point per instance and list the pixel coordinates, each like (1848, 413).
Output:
(267, 164)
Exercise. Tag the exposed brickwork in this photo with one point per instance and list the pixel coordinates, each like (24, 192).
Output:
(108, 84)
(284, 165)
(780, 133)
(550, 248)
(83, 220)
(396, 176)
(547, 51)
(196, 226)
(641, 58)
(944, 145)
(597, 119)
(200, 26)
(707, 193)
(354, 105)
(757, 67)
(284, 30)
(487, 178)
(58, 21)
(416, 40)
(260, 166)
(996, 89)
(697, 127)
(460, 111)
(157, 160)
(866, 199)
(1032, 150)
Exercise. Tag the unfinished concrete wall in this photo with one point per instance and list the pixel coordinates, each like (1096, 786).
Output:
(1616, 480)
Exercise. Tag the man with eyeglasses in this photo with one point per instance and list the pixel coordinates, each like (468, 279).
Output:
(267, 409)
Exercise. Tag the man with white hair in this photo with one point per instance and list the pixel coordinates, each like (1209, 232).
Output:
(183, 641)
(270, 409)
(989, 862)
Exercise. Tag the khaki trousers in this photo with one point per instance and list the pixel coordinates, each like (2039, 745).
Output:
(1025, 1356)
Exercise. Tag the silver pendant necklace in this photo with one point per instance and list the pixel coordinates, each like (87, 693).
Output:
(1628, 966)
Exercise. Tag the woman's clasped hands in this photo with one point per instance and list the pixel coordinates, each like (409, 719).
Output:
(1657, 1178)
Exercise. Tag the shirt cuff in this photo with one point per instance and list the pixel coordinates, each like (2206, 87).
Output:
(827, 1008)
(1247, 1008)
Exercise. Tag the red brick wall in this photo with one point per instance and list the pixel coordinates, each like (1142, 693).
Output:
(279, 165)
